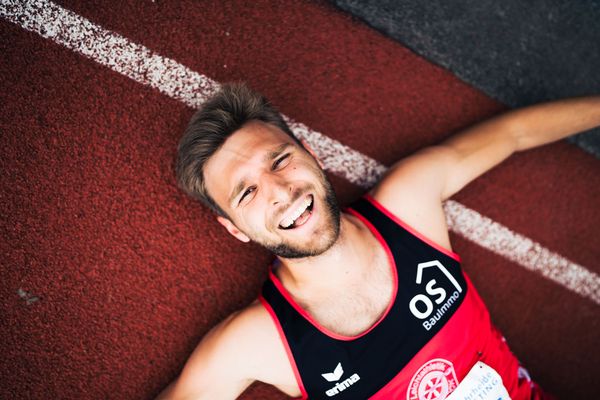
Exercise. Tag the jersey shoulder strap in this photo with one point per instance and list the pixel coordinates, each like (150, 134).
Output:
(397, 232)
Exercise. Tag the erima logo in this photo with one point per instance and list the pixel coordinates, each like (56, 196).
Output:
(335, 376)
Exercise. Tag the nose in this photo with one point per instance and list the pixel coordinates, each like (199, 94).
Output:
(280, 190)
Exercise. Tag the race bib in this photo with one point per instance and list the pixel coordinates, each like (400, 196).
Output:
(481, 383)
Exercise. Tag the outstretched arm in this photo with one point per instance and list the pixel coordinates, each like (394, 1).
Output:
(451, 165)
(478, 149)
(415, 187)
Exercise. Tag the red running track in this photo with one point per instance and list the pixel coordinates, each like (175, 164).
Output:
(129, 273)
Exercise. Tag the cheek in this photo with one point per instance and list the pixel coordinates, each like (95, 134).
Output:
(254, 219)
(307, 169)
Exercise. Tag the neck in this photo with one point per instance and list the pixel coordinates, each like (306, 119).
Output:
(340, 263)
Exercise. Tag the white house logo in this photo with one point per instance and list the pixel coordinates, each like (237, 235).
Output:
(421, 305)
(435, 380)
(335, 376)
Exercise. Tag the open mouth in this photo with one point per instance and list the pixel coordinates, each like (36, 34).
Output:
(299, 216)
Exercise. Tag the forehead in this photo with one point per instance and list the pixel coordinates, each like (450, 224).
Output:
(241, 153)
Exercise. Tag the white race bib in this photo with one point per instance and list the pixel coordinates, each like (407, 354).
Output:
(481, 383)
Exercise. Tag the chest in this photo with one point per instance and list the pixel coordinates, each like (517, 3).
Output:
(352, 308)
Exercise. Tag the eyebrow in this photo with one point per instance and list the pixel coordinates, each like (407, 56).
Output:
(270, 155)
(276, 152)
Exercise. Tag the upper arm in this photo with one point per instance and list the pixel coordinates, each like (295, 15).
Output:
(471, 153)
(442, 170)
(223, 365)
(415, 187)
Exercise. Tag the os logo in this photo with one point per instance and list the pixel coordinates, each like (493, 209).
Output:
(421, 305)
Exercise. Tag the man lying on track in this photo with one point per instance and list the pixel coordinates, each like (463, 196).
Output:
(365, 302)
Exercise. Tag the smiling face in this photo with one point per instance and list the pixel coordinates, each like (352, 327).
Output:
(273, 191)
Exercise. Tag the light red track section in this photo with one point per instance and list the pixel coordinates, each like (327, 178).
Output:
(130, 273)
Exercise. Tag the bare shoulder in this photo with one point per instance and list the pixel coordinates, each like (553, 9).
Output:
(242, 338)
(243, 348)
(273, 365)
(411, 192)
(421, 172)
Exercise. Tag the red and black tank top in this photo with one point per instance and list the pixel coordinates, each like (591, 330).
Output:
(434, 330)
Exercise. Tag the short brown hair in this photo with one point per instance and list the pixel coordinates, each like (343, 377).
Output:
(224, 113)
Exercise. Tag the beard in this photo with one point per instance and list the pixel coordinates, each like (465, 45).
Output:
(325, 237)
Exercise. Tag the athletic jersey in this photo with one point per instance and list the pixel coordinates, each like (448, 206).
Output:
(435, 333)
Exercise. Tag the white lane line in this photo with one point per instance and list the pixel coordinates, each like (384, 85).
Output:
(340, 159)
(522, 250)
(139, 63)
(179, 82)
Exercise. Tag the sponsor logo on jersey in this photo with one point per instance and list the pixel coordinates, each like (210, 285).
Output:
(435, 380)
(422, 305)
(336, 375)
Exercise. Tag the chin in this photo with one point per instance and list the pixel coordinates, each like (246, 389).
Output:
(325, 241)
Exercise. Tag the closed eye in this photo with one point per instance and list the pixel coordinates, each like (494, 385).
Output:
(276, 165)
(278, 162)
(246, 193)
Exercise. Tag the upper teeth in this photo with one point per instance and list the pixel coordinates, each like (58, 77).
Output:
(301, 208)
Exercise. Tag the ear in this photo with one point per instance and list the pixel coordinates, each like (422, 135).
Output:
(311, 151)
(232, 229)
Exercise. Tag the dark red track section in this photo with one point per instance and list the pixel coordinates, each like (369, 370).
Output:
(130, 273)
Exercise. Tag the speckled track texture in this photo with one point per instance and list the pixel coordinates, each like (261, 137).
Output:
(111, 275)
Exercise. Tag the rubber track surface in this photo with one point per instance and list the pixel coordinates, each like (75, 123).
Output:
(111, 276)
